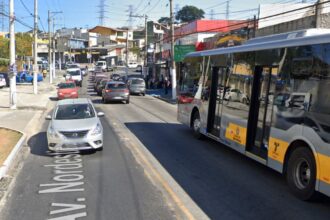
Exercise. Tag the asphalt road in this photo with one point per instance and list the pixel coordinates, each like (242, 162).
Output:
(101, 185)
(223, 183)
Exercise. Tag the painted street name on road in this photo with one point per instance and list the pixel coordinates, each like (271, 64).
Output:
(68, 177)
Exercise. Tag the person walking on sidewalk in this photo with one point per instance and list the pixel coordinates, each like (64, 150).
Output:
(166, 84)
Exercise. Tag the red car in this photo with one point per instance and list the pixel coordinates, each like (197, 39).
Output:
(67, 90)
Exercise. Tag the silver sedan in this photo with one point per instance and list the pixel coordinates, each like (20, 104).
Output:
(75, 125)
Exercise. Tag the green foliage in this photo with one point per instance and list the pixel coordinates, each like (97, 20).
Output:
(189, 13)
(164, 20)
(24, 44)
(135, 50)
(4, 48)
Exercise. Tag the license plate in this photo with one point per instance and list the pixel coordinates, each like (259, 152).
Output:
(118, 98)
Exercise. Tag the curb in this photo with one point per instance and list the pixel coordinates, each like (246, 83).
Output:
(170, 101)
(7, 164)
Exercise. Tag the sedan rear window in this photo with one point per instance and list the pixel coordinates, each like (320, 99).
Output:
(66, 85)
(137, 81)
(116, 86)
(74, 73)
(74, 111)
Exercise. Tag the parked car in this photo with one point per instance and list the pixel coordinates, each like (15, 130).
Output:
(6, 77)
(115, 91)
(132, 65)
(67, 90)
(75, 125)
(75, 75)
(236, 95)
(26, 77)
(136, 86)
(101, 86)
(2, 81)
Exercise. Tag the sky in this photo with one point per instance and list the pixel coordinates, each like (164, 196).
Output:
(84, 13)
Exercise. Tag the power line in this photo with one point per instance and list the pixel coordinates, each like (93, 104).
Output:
(217, 5)
(16, 19)
(249, 21)
(26, 8)
(153, 7)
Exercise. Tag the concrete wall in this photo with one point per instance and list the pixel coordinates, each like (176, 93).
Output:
(303, 23)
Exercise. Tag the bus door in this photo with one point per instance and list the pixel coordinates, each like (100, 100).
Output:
(215, 100)
(261, 106)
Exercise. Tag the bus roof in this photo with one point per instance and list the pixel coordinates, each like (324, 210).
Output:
(290, 39)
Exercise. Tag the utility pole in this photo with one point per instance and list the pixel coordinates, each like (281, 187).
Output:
(227, 10)
(173, 71)
(53, 41)
(145, 40)
(319, 5)
(35, 51)
(49, 49)
(13, 72)
(126, 58)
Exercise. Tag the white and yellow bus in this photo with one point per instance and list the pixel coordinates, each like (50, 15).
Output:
(268, 99)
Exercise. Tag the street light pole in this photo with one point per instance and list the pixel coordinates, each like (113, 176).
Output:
(12, 91)
(145, 40)
(53, 40)
(49, 49)
(126, 54)
(35, 52)
(173, 71)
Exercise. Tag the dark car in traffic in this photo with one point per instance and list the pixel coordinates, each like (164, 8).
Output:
(136, 86)
(115, 91)
(101, 85)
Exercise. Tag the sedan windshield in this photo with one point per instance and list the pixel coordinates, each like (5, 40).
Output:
(66, 85)
(74, 111)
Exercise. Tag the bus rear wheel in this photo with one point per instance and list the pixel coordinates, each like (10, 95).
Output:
(301, 174)
(196, 125)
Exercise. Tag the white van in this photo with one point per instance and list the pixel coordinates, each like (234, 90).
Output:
(101, 65)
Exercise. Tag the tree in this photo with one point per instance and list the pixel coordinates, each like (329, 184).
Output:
(164, 20)
(23, 44)
(4, 47)
(189, 13)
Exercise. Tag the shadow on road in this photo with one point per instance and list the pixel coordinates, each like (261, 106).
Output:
(38, 145)
(224, 183)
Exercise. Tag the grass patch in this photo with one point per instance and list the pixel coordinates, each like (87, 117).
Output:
(8, 140)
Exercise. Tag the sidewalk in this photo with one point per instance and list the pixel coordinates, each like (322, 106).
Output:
(25, 97)
(24, 120)
(160, 94)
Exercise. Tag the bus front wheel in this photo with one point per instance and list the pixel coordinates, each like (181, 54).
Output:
(301, 174)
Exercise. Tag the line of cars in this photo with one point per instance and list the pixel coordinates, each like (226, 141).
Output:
(74, 123)
(116, 87)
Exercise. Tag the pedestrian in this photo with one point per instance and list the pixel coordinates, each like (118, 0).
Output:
(44, 73)
(166, 85)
